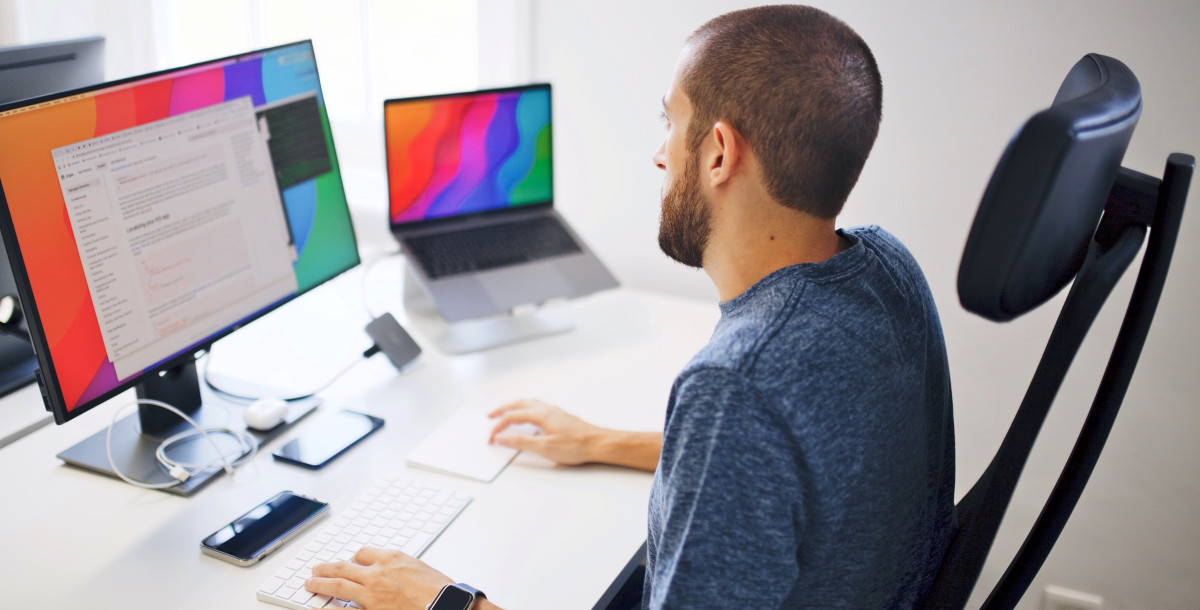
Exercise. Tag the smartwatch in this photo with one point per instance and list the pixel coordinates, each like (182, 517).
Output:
(455, 597)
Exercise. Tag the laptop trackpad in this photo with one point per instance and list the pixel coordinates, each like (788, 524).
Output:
(532, 283)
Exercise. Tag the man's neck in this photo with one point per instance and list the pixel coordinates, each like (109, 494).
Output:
(750, 246)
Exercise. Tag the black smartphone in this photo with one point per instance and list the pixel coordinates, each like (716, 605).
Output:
(333, 435)
(254, 535)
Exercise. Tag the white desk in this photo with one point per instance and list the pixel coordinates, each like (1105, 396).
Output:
(534, 537)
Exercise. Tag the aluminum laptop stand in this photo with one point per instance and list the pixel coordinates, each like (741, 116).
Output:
(520, 324)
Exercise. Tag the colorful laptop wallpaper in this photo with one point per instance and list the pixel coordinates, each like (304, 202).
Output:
(283, 87)
(467, 153)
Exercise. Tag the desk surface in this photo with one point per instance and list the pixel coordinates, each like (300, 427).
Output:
(532, 538)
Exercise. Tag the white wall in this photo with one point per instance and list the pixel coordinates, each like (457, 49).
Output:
(959, 78)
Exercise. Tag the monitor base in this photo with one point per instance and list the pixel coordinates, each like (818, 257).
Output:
(133, 452)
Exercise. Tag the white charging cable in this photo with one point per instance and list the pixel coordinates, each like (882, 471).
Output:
(179, 470)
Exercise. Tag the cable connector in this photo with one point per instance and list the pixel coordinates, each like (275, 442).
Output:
(179, 472)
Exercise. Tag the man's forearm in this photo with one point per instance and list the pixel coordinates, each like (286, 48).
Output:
(631, 449)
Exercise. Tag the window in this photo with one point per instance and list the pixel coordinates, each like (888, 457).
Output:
(367, 50)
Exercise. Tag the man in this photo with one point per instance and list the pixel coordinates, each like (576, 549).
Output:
(807, 458)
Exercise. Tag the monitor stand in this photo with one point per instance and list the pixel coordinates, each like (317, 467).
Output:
(522, 324)
(17, 360)
(136, 438)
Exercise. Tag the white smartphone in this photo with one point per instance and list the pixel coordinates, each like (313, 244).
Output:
(248, 539)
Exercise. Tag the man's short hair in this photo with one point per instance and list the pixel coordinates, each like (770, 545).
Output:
(801, 87)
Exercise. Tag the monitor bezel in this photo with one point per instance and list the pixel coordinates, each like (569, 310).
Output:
(47, 377)
(432, 222)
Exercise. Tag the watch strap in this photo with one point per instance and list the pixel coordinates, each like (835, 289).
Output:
(472, 590)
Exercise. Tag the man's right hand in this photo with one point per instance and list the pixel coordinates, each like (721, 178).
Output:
(566, 439)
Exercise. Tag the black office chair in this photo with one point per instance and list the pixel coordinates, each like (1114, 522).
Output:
(1060, 207)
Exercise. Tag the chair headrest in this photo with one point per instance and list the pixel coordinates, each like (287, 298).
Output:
(1048, 191)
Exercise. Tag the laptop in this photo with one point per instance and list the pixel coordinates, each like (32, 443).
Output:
(471, 201)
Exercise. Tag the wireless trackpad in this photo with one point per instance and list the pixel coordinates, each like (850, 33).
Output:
(459, 446)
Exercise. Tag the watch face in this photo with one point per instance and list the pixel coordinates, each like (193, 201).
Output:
(452, 598)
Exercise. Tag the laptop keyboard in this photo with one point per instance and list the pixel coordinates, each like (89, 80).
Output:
(394, 513)
(491, 246)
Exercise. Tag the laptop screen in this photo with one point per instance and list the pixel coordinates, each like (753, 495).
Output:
(464, 153)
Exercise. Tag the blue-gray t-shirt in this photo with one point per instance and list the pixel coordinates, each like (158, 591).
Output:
(808, 454)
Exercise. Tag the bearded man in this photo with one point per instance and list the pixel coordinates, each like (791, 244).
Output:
(807, 458)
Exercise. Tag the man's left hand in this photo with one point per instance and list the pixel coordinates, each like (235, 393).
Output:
(379, 579)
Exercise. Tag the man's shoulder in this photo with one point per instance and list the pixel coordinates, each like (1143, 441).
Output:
(817, 329)
(889, 252)
(766, 355)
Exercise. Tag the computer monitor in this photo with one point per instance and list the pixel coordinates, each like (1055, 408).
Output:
(28, 71)
(149, 217)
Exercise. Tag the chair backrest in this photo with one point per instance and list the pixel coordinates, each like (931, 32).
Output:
(1060, 210)
(1045, 198)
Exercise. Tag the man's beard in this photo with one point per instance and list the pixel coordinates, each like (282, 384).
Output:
(685, 224)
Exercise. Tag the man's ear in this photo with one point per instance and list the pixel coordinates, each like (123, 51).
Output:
(724, 157)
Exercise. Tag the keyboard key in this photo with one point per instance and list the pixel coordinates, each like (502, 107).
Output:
(271, 585)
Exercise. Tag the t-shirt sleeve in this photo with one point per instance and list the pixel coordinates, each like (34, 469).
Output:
(729, 481)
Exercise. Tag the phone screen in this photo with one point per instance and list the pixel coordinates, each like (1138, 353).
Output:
(333, 436)
(251, 536)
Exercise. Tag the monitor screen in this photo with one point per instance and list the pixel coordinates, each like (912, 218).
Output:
(466, 153)
(156, 214)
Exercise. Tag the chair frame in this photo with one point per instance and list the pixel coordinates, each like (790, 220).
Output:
(1137, 203)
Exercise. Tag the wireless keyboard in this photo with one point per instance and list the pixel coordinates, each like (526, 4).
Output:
(395, 513)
